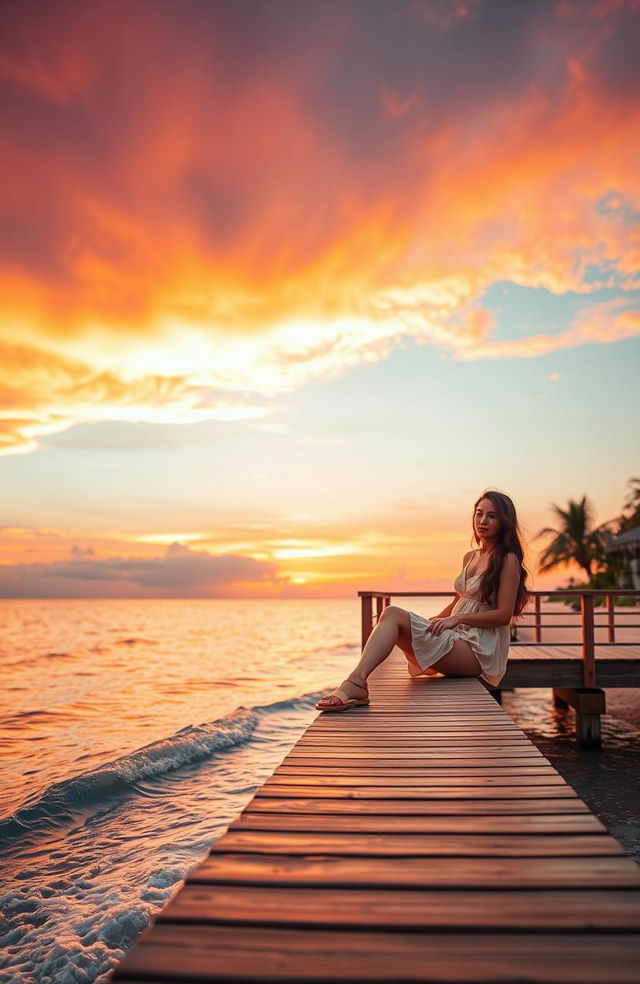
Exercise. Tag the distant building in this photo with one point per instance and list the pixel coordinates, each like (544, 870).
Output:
(627, 545)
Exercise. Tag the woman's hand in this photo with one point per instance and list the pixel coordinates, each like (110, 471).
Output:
(437, 625)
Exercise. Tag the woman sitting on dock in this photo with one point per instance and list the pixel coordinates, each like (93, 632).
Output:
(470, 637)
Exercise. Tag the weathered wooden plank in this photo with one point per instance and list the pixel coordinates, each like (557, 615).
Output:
(421, 696)
(421, 739)
(425, 709)
(446, 758)
(570, 803)
(402, 735)
(410, 746)
(407, 705)
(417, 744)
(440, 750)
(476, 750)
(492, 756)
(415, 695)
(426, 718)
(528, 763)
(520, 652)
(374, 758)
(387, 681)
(372, 715)
(381, 711)
(416, 706)
(437, 824)
(268, 954)
(527, 766)
(454, 911)
(399, 744)
(410, 792)
(420, 782)
(424, 728)
(458, 845)
(489, 716)
(372, 754)
(388, 721)
(402, 749)
(450, 758)
(399, 732)
(414, 771)
(407, 743)
(421, 873)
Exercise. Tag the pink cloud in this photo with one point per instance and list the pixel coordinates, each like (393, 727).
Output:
(179, 573)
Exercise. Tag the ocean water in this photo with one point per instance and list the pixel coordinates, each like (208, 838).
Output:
(133, 732)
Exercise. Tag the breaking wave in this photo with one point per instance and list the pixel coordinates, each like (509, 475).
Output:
(59, 801)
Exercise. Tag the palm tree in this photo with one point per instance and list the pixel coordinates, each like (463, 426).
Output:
(631, 505)
(576, 540)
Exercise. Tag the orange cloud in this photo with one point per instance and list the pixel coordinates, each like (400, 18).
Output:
(45, 393)
(603, 323)
(189, 236)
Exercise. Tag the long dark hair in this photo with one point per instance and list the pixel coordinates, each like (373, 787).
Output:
(509, 541)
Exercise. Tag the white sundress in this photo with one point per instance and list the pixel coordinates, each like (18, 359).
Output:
(490, 645)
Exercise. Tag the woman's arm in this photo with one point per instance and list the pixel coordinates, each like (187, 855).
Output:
(501, 614)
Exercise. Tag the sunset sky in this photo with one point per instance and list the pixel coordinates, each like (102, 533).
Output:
(286, 284)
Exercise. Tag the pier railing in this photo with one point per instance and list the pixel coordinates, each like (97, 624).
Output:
(586, 617)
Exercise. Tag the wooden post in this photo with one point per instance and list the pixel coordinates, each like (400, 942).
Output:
(536, 602)
(379, 602)
(367, 618)
(588, 704)
(611, 618)
(387, 601)
(588, 731)
(588, 647)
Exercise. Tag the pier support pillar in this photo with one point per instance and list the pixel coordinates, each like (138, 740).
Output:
(588, 703)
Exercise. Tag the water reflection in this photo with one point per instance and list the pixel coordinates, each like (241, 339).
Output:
(607, 779)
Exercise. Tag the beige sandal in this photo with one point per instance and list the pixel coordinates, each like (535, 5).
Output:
(344, 697)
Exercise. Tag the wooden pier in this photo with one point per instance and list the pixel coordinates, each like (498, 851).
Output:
(422, 838)
(577, 673)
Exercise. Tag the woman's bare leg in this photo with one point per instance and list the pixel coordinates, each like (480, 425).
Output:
(460, 661)
(394, 625)
(393, 628)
